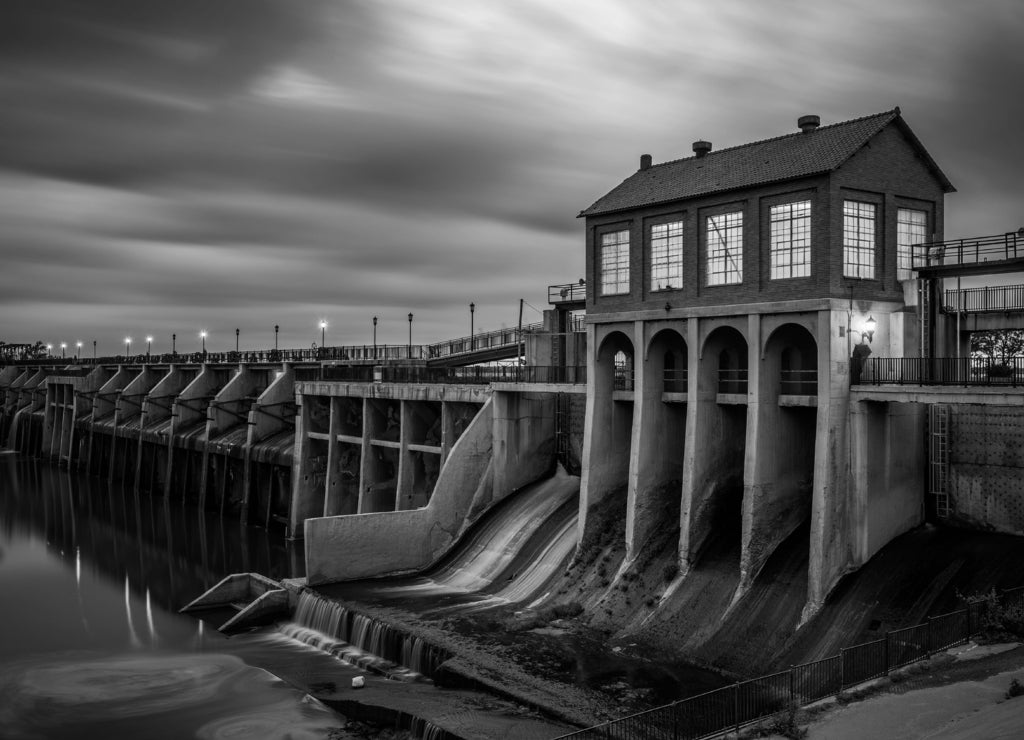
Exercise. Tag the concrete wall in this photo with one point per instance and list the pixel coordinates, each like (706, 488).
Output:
(986, 467)
(363, 545)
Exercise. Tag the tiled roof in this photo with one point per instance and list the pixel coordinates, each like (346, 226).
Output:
(772, 160)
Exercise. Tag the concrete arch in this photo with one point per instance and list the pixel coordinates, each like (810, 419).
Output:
(665, 361)
(778, 491)
(608, 437)
(712, 328)
(724, 362)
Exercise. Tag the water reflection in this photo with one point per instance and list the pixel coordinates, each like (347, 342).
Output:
(161, 550)
(91, 644)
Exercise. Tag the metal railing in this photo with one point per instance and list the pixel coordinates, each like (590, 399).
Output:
(981, 300)
(675, 380)
(732, 381)
(965, 371)
(995, 248)
(568, 293)
(731, 707)
(798, 382)
(622, 379)
(471, 375)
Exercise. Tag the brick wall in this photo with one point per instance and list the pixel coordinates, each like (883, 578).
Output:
(886, 172)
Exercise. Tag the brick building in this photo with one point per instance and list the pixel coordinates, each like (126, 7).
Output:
(726, 293)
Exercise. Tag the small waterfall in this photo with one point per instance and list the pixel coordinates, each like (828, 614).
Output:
(362, 641)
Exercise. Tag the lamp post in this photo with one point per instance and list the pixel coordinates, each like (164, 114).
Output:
(238, 332)
(93, 349)
(49, 350)
(127, 346)
(149, 347)
(277, 328)
(472, 310)
(323, 332)
(410, 335)
(78, 350)
(202, 335)
(174, 344)
(63, 346)
(375, 337)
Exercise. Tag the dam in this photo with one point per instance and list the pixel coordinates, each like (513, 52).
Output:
(760, 390)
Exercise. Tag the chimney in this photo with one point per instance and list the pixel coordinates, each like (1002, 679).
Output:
(645, 161)
(807, 124)
(701, 148)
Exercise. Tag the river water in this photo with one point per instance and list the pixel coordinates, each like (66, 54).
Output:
(91, 644)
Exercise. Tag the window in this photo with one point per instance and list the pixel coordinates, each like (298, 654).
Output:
(667, 256)
(858, 239)
(791, 240)
(725, 248)
(615, 263)
(911, 229)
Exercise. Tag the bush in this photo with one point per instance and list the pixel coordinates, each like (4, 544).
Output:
(1000, 371)
(1016, 689)
(997, 621)
(785, 723)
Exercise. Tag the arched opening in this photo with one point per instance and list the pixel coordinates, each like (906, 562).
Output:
(656, 476)
(608, 443)
(716, 498)
(782, 481)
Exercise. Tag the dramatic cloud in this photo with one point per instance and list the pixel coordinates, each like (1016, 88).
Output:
(171, 166)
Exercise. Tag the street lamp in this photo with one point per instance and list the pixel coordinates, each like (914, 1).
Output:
(94, 349)
(472, 310)
(202, 335)
(78, 350)
(174, 344)
(375, 337)
(127, 346)
(277, 328)
(49, 350)
(237, 333)
(149, 346)
(323, 332)
(410, 335)
(63, 346)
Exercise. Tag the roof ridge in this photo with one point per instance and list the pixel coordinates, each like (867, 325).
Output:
(894, 112)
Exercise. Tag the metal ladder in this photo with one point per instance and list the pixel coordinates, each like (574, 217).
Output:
(938, 459)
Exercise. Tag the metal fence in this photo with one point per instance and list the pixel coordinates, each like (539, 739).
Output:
(732, 381)
(798, 382)
(471, 375)
(996, 248)
(980, 300)
(971, 371)
(730, 707)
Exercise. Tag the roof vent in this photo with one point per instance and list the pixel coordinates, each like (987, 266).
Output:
(807, 124)
(645, 161)
(701, 148)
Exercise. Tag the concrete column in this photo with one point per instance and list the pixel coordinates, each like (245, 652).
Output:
(606, 439)
(524, 439)
(309, 475)
(406, 434)
(332, 480)
(831, 546)
(656, 450)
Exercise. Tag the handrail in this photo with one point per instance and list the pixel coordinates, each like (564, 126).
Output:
(997, 247)
(567, 293)
(980, 300)
(729, 708)
(963, 371)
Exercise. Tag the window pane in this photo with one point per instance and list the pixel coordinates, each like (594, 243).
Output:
(667, 256)
(724, 237)
(615, 263)
(858, 239)
(790, 253)
(911, 229)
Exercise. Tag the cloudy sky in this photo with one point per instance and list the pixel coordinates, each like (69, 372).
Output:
(212, 164)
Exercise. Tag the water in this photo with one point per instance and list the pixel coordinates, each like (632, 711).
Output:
(91, 644)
